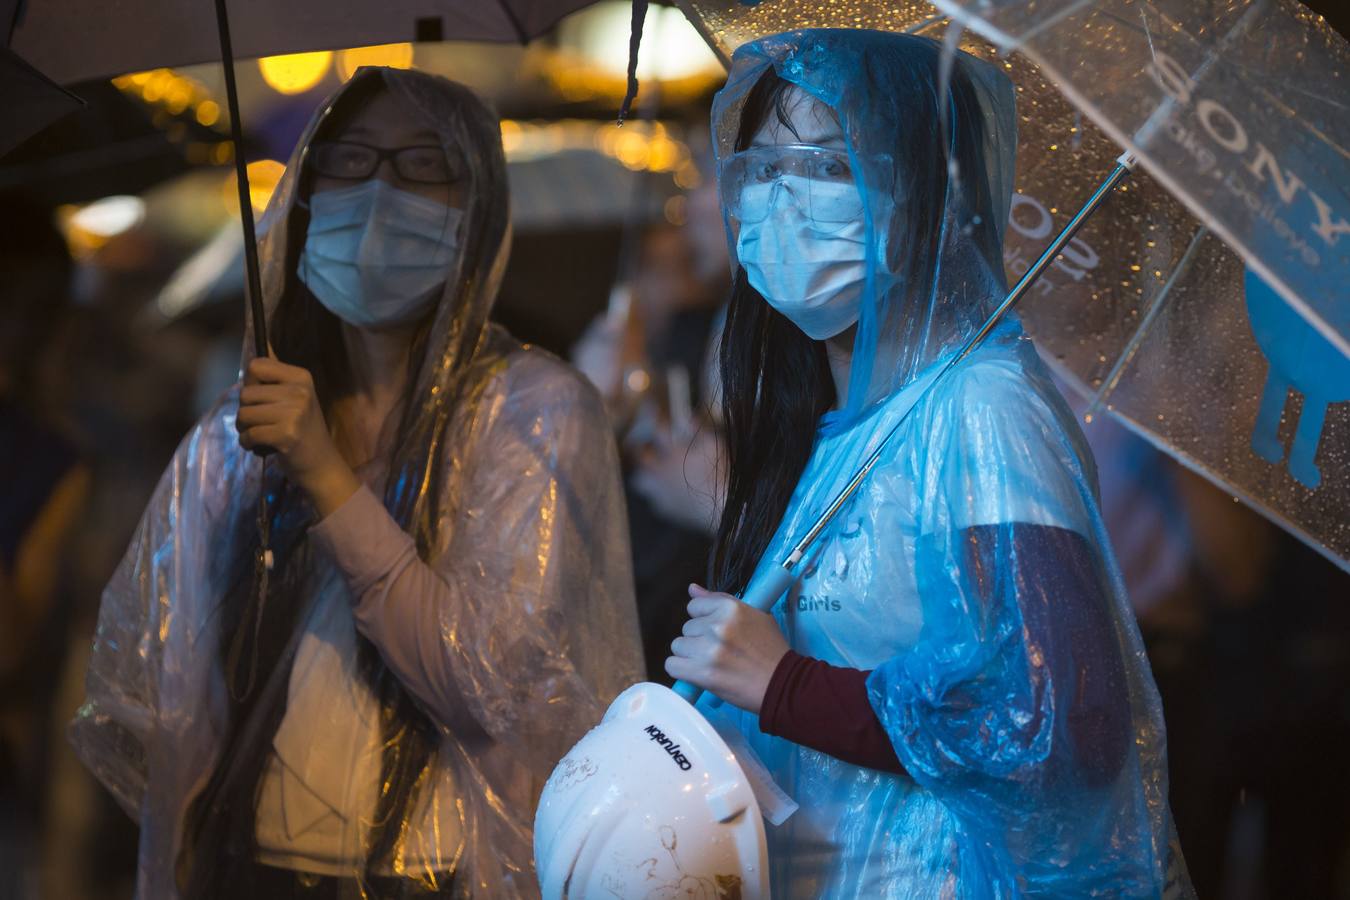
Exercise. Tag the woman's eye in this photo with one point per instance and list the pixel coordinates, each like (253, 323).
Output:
(427, 164)
(421, 160)
(834, 167)
(766, 172)
(351, 159)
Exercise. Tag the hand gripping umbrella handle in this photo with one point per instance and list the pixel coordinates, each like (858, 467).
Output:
(762, 595)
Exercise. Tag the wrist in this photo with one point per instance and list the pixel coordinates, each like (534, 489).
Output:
(771, 684)
(329, 485)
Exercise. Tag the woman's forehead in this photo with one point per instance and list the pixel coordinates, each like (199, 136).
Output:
(811, 122)
(384, 119)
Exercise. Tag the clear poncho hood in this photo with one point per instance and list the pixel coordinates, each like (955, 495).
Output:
(501, 496)
(934, 218)
(466, 128)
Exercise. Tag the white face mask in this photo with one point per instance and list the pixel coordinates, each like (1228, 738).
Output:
(810, 272)
(378, 256)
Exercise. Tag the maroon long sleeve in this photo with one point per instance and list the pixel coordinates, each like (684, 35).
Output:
(825, 707)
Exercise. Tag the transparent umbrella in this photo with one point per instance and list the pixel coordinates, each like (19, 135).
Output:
(1205, 305)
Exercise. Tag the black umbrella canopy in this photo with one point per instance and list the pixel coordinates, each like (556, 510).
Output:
(72, 40)
(111, 146)
(31, 101)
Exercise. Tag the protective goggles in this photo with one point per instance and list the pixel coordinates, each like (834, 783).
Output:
(821, 181)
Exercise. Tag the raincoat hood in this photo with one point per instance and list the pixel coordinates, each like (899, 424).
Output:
(470, 132)
(970, 573)
(932, 140)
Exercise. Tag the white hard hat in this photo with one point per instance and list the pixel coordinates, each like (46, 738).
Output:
(650, 803)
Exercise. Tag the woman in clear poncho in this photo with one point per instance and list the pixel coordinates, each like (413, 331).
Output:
(954, 689)
(449, 604)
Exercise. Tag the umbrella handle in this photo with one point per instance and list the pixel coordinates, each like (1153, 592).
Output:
(763, 594)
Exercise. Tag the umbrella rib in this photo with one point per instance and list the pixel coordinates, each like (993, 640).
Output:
(1053, 20)
(921, 27)
(1260, 78)
(686, 7)
(521, 36)
(1145, 325)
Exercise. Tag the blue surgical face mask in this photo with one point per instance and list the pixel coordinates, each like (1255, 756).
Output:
(378, 256)
(809, 269)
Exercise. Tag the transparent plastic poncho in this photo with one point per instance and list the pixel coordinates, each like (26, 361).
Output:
(971, 573)
(508, 483)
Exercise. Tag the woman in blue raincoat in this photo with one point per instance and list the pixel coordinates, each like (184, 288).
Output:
(954, 689)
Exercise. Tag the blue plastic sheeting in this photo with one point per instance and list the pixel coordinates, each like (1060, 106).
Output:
(971, 572)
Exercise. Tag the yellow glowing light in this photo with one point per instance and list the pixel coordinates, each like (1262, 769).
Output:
(395, 56)
(676, 210)
(632, 150)
(178, 96)
(263, 177)
(152, 90)
(638, 381)
(665, 154)
(607, 139)
(687, 176)
(208, 112)
(512, 136)
(295, 73)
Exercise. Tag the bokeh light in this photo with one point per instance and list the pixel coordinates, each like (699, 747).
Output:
(110, 216)
(395, 56)
(263, 177)
(89, 227)
(208, 113)
(295, 73)
(671, 48)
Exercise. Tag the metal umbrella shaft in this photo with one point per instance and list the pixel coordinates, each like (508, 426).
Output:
(254, 280)
(262, 565)
(765, 592)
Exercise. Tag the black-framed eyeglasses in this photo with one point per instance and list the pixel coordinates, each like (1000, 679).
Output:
(353, 161)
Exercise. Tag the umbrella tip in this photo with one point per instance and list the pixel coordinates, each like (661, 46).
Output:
(634, 41)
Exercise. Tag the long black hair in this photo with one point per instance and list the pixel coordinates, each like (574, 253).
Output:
(776, 381)
(259, 633)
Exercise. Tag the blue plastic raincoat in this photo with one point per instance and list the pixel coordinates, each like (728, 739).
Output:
(971, 573)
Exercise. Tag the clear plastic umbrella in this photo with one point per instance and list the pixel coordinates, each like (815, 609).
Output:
(1205, 305)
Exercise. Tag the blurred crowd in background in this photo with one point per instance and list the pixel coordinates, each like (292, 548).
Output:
(121, 319)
